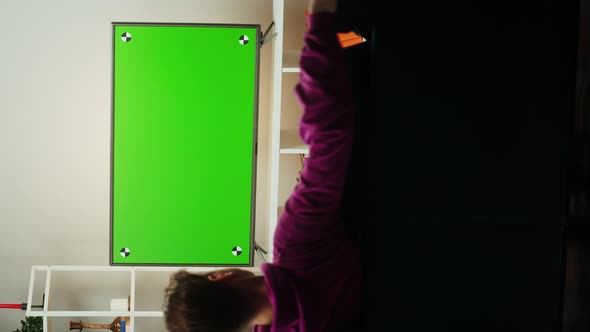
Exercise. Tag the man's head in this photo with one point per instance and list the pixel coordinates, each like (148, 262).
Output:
(212, 301)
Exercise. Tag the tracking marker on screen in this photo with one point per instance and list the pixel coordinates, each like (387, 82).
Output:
(125, 252)
(244, 39)
(125, 37)
(236, 251)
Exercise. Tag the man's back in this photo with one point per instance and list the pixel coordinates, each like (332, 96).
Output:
(314, 281)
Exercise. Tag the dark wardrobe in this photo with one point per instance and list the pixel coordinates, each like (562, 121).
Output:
(468, 190)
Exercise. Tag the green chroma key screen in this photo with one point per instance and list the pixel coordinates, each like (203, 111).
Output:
(185, 101)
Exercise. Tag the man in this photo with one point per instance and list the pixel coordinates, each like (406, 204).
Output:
(314, 281)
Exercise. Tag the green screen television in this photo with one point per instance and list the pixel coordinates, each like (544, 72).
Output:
(183, 144)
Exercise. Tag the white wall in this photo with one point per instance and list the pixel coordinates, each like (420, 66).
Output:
(55, 65)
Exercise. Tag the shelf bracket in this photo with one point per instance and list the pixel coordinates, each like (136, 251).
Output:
(265, 38)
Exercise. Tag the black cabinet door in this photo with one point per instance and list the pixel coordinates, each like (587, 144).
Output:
(460, 185)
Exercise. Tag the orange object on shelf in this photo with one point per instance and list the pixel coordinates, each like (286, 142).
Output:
(346, 39)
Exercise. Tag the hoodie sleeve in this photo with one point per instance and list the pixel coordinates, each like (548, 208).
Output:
(311, 223)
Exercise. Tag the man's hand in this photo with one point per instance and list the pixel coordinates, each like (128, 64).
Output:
(317, 6)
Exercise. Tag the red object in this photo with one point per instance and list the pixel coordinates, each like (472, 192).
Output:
(11, 306)
(346, 39)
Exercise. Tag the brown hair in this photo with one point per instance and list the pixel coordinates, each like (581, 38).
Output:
(195, 304)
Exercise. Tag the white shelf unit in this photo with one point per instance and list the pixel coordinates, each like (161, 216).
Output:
(291, 61)
(289, 24)
(291, 143)
(130, 271)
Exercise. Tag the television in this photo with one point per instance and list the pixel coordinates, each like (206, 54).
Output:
(183, 143)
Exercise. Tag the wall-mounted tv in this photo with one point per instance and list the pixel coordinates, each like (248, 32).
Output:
(183, 144)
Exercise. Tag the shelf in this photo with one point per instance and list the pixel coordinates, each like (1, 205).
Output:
(291, 61)
(45, 275)
(286, 146)
(291, 143)
(80, 313)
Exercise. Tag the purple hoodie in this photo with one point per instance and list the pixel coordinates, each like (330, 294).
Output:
(315, 278)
